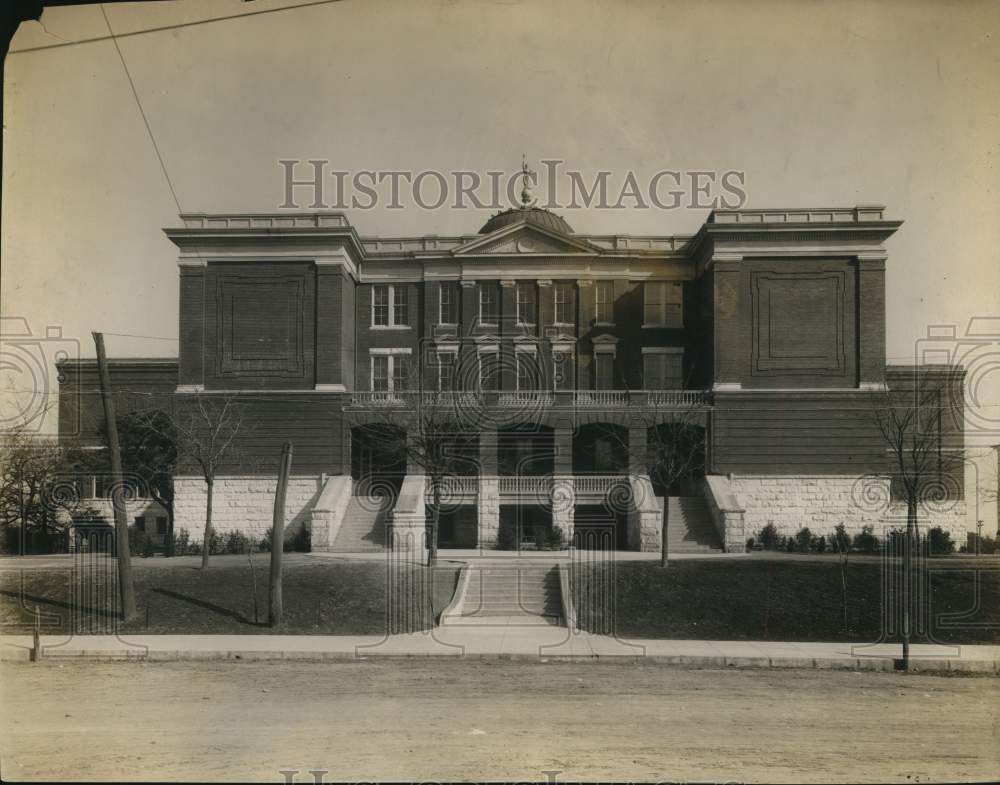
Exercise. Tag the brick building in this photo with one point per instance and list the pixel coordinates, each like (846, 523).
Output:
(764, 332)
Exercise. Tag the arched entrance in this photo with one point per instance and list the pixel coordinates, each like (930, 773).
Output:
(378, 456)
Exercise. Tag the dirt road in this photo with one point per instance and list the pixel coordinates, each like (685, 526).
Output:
(491, 719)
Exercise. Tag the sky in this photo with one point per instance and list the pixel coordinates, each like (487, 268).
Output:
(819, 104)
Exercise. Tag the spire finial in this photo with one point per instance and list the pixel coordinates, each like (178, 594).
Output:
(526, 174)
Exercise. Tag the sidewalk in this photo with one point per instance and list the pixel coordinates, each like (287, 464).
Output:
(533, 643)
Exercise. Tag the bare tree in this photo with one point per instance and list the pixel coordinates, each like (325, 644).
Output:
(35, 484)
(431, 436)
(207, 429)
(910, 421)
(675, 452)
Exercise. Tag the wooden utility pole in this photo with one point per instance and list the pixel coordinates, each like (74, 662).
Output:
(277, 536)
(124, 560)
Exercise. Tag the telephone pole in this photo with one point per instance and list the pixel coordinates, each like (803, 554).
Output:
(124, 560)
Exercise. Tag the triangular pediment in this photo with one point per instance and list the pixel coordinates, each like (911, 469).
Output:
(525, 239)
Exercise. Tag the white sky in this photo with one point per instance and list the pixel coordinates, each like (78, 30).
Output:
(821, 104)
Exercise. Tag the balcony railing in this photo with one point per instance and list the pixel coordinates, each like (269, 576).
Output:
(600, 397)
(678, 398)
(539, 486)
(453, 486)
(525, 398)
(593, 484)
(522, 398)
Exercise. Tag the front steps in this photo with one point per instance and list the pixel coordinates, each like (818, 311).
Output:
(690, 528)
(501, 594)
(363, 529)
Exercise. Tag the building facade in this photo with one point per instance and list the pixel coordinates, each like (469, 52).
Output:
(562, 353)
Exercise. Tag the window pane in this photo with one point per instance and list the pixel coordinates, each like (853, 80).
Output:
(400, 314)
(526, 371)
(380, 305)
(445, 373)
(488, 371)
(604, 292)
(653, 296)
(487, 303)
(604, 371)
(526, 303)
(140, 524)
(380, 373)
(652, 372)
(449, 302)
(399, 373)
(563, 301)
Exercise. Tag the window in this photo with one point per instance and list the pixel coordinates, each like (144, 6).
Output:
(390, 370)
(526, 303)
(488, 303)
(140, 523)
(662, 370)
(488, 371)
(604, 294)
(563, 303)
(448, 310)
(562, 370)
(400, 313)
(604, 371)
(390, 306)
(161, 524)
(380, 373)
(446, 371)
(526, 370)
(662, 304)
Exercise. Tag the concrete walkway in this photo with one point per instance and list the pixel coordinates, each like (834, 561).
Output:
(509, 641)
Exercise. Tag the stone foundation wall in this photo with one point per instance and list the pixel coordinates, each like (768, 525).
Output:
(245, 504)
(821, 503)
(488, 510)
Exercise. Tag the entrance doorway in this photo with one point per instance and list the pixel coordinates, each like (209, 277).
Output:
(524, 527)
(595, 527)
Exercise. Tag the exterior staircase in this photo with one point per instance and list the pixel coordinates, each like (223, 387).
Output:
(690, 528)
(502, 594)
(363, 529)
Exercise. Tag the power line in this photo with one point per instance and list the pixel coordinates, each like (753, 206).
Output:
(138, 103)
(169, 27)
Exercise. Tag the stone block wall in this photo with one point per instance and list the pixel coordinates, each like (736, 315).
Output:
(244, 504)
(822, 502)
(488, 507)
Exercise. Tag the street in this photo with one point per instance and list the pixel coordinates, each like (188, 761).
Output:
(490, 719)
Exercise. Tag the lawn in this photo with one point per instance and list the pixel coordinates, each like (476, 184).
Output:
(778, 600)
(321, 597)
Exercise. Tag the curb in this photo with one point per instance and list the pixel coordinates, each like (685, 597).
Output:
(874, 664)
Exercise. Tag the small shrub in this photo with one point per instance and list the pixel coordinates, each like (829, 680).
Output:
(768, 537)
(940, 541)
(750, 543)
(789, 544)
(507, 538)
(840, 541)
(988, 545)
(302, 541)
(265, 542)
(215, 543)
(554, 539)
(803, 539)
(818, 544)
(138, 542)
(866, 541)
(182, 542)
(236, 542)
